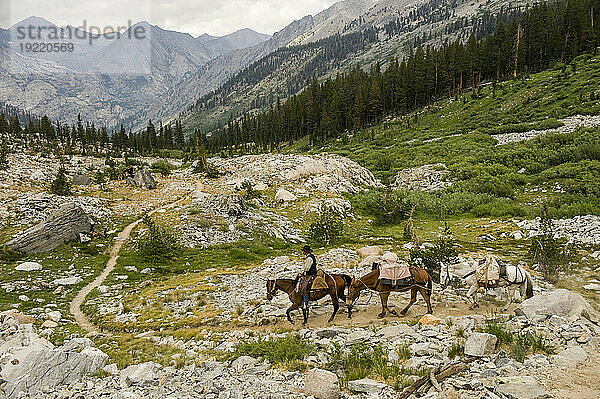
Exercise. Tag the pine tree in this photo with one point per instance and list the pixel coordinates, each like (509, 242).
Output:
(4, 156)
(61, 184)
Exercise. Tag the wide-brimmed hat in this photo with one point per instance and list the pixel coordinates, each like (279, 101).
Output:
(307, 249)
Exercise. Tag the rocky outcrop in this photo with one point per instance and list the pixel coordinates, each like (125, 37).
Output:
(570, 124)
(221, 204)
(61, 226)
(424, 178)
(28, 209)
(579, 229)
(324, 172)
(560, 302)
(143, 179)
(30, 362)
(340, 206)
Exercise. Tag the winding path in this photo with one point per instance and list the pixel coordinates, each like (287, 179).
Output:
(75, 307)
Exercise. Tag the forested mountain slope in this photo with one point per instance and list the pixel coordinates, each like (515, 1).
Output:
(380, 32)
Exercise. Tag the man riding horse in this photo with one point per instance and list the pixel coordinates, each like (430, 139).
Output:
(309, 272)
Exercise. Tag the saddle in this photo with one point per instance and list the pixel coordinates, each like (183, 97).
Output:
(312, 283)
(489, 272)
(319, 282)
(395, 275)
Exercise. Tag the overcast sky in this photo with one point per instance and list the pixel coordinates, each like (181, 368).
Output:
(216, 17)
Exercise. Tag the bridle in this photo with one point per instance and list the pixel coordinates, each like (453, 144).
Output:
(358, 294)
(273, 292)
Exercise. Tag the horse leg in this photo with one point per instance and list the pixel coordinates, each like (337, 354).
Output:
(413, 299)
(336, 306)
(427, 298)
(472, 293)
(384, 299)
(295, 305)
(511, 295)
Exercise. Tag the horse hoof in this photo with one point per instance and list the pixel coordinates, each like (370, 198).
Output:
(381, 315)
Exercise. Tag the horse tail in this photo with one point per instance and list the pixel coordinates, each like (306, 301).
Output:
(529, 289)
(429, 285)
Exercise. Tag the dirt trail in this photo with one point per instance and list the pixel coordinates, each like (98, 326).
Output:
(122, 237)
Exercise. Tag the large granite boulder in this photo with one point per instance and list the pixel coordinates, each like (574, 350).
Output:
(521, 387)
(31, 362)
(559, 302)
(63, 225)
(221, 204)
(139, 374)
(82, 180)
(143, 179)
(322, 384)
(481, 345)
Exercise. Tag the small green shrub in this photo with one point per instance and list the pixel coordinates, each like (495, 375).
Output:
(456, 350)
(249, 191)
(550, 254)
(9, 255)
(504, 336)
(211, 171)
(162, 167)
(280, 351)
(157, 244)
(61, 184)
(364, 361)
(326, 229)
(519, 344)
(385, 206)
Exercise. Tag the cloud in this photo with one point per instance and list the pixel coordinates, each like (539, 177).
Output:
(216, 17)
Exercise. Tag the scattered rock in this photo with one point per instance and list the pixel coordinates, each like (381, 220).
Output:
(373, 250)
(570, 357)
(396, 331)
(322, 384)
(54, 315)
(82, 180)
(61, 226)
(424, 178)
(481, 345)
(521, 387)
(366, 385)
(49, 324)
(284, 196)
(139, 374)
(429, 320)
(29, 267)
(68, 281)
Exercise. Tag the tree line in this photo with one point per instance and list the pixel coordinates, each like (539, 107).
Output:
(39, 134)
(541, 35)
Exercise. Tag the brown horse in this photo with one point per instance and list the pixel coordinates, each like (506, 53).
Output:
(336, 284)
(422, 283)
